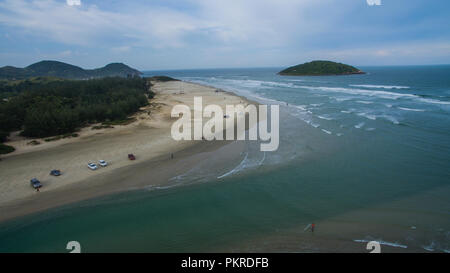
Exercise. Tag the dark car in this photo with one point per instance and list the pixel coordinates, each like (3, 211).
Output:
(131, 157)
(36, 184)
(55, 173)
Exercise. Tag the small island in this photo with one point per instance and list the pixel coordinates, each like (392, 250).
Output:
(320, 68)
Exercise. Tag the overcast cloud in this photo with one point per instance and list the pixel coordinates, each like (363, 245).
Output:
(234, 33)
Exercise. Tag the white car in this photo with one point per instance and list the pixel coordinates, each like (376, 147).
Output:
(103, 163)
(92, 166)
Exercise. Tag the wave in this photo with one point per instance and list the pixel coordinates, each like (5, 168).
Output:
(300, 107)
(411, 109)
(265, 99)
(431, 247)
(325, 117)
(262, 160)
(257, 83)
(368, 116)
(296, 80)
(237, 84)
(378, 94)
(365, 92)
(237, 169)
(165, 187)
(380, 86)
(326, 131)
(341, 99)
(359, 125)
(390, 118)
(434, 101)
(381, 242)
(364, 102)
(278, 84)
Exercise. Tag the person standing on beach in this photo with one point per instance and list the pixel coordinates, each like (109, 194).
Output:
(312, 227)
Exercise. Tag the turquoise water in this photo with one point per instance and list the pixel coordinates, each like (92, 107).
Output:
(374, 148)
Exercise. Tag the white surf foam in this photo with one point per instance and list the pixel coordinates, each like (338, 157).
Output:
(278, 84)
(431, 247)
(433, 101)
(359, 125)
(262, 160)
(326, 131)
(301, 107)
(411, 109)
(341, 99)
(364, 102)
(296, 80)
(368, 116)
(390, 118)
(325, 117)
(165, 187)
(364, 92)
(236, 169)
(381, 242)
(380, 86)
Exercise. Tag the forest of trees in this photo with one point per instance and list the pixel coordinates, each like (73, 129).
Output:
(55, 107)
(320, 68)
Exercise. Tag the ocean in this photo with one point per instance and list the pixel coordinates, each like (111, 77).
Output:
(364, 157)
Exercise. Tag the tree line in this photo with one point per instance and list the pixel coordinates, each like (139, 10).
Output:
(48, 108)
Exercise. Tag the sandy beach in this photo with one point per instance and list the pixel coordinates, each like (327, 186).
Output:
(148, 138)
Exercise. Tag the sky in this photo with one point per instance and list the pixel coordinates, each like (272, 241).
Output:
(192, 34)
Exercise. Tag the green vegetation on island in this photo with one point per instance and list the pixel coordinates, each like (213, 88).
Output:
(66, 71)
(320, 68)
(45, 108)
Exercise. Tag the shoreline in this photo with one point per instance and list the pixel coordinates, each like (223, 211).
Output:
(153, 167)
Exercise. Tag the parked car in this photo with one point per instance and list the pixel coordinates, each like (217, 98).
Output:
(131, 157)
(103, 163)
(55, 173)
(36, 184)
(92, 166)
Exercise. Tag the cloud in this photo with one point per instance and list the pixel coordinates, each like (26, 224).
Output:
(263, 22)
(65, 53)
(413, 52)
(374, 2)
(221, 33)
(73, 2)
(120, 49)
